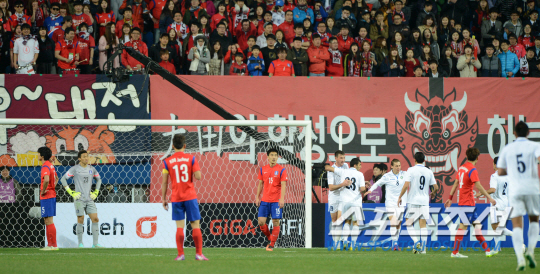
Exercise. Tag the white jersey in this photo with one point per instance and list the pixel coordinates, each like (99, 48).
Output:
(25, 52)
(520, 161)
(393, 185)
(351, 193)
(421, 179)
(334, 179)
(500, 184)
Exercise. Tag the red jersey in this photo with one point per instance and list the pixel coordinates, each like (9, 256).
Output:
(467, 175)
(104, 18)
(120, 25)
(281, 68)
(180, 167)
(334, 65)
(288, 31)
(272, 178)
(58, 35)
(156, 8)
(344, 44)
(216, 18)
(81, 18)
(181, 29)
(168, 66)
(48, 169)
(67, 50)
(84, 47)
(128, 60)
(15, 20)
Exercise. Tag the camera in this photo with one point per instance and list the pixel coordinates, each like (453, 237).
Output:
(319, 177)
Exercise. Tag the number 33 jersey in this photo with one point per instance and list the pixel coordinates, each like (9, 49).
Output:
(420, 178)
(180, 167)
(520, 161)
(350, 193)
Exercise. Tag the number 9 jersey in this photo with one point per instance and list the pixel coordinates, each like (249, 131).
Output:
(351, 193)
(180, 167)
(420, 178)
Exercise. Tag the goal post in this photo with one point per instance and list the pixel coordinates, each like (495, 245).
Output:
(128, 155)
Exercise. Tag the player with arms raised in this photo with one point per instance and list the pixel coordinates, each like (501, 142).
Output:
(335, 185)
(83, 174)
(519, 161)
(351, 196)
(273, 186)
(181, 169)
(47, 197)
(419, 178)
(466, 179)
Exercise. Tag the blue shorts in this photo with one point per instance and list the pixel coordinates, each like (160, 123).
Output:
(273, 209)
(48, 207)
(186, 209)
(471, 216)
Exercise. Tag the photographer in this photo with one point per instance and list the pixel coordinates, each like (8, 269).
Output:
(10, 190)
(467, 64)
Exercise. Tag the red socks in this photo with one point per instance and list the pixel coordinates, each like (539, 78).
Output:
(481, 239)
(264, 229)
(180, 241)
(51, 235)
(459, 238)
(197, 238)
(275, 235)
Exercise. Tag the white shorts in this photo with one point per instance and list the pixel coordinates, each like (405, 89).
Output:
(334, 206)
(396, 211)
(496, 215)
(417, 211)
(525, 205)
(347, 206)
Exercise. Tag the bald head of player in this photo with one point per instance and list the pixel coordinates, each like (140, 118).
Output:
(419, 158)
(273, 156)
(521, 129)
(83, 158)
(340, 158)
(472, 155)
(179, 142)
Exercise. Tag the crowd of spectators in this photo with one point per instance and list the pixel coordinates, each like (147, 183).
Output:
(352, 38)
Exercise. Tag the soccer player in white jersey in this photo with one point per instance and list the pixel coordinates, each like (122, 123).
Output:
(392, 183)
(26, 50)
(498, 189)
(351, 197)
(419, 178)
(335, 185)
(519, 160)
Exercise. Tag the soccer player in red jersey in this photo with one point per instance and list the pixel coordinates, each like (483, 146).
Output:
(281, 66)
(467, 178)
(272, 178)
(182, 168)
(47, 196)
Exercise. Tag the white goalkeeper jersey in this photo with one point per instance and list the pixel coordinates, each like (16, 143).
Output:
(421, 178)
(393, 184)
(520, 161)
(351, 193)
(334, 179)
(500, 183)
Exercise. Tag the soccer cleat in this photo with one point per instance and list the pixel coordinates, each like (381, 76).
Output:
(269, 248)
(530, 259)
(521, 266)
(396, 247)
(417, 248)
(182, 258)
(489, 253)
(54, 248)
(200, 257)
(524, 248)
(81, 245)
(422, 252)
(345, 246)
(457, 255)
(47, 248)
(97, 246)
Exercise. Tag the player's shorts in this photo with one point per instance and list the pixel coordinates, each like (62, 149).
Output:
(420, 211)
(48, 207)
(186, 210)
(82, 207)
(471, 216)
(496, 215)
(396, 211)
(334, 206)
(266, 209)
(525, 205)
(349, 205)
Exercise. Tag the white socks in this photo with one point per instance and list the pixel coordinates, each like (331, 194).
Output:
(394, 234)
(507, 232)
(533, 237)
(346, 233)
(517, 241)
(423, 236)
(354, 235)
(413, 233)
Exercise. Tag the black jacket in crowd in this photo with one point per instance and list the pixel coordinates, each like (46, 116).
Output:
(46, 51)
(154, 53)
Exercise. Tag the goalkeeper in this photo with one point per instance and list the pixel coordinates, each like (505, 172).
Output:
(83, 174)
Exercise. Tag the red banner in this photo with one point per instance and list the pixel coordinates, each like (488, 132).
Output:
(388, 117)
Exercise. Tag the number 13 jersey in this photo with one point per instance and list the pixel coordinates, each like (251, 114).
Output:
(420, 178)
(351, 193)
(180, 167)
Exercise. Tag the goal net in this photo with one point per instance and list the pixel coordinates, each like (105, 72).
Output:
(129, 154)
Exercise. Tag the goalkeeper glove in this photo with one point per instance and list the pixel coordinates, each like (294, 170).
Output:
(94, 194)
(74, 194)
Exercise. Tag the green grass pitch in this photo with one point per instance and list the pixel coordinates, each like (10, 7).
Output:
(251, 260)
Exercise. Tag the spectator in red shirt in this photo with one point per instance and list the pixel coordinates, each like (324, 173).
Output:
(526, 39)
(325, 36)
(221, 14)
(237, 13)
(267, 20)
(138, 9)
(58, 34)
(410, 63)
(334, 65)
(19, 18)
(38, 16)
(344, 40)
(243, 32)
(79, 17)
(156, 8)
(281, 66)
(67, 52)
(128, 19)
(104, 16)
(86, 46)
(129, 62)
(318, 55)
(164, 54)
(238, 67)
(288, 27)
